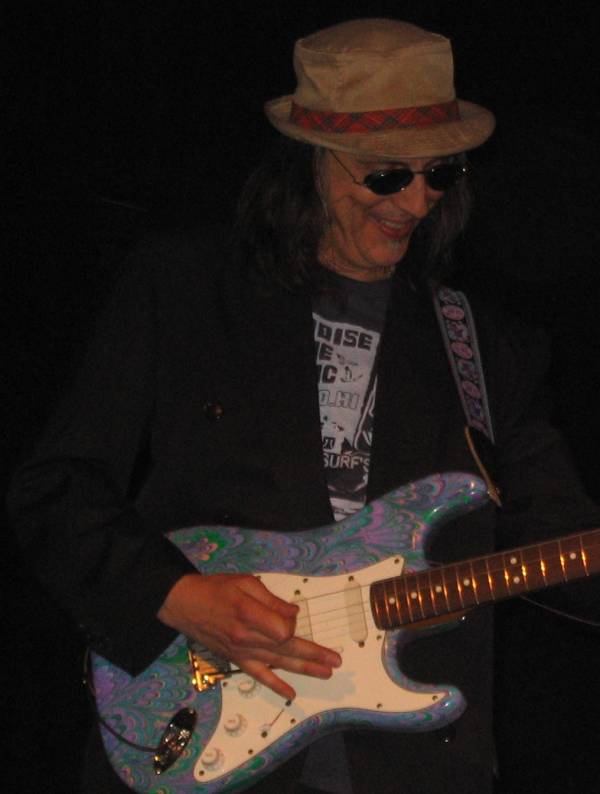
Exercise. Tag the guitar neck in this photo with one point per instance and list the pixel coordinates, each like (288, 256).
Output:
(447, 589)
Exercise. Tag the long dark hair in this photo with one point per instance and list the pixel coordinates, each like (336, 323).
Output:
(281, 218)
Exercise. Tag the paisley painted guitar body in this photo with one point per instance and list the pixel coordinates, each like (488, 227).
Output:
(244, 730)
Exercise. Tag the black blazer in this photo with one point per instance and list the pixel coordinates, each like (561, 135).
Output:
(197, 404)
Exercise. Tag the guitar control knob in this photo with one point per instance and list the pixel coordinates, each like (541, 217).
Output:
(248, 687)
(212, 758)
(235, 725)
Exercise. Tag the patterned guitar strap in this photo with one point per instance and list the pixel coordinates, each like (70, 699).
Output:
(460, 340)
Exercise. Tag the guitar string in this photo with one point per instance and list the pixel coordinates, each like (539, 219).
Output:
(340, 629)
(551, 569)
(324, 617)
(330, 624)
(552, 566)
(324, 622)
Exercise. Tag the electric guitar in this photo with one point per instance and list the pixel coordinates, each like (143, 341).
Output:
(192, 723)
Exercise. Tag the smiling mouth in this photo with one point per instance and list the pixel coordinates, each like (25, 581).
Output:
(393, 229)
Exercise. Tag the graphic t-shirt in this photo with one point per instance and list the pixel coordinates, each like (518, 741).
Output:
(347, 330)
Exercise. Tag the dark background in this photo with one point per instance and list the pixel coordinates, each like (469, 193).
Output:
(124, 115)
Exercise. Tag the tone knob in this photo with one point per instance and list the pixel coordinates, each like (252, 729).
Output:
(212, 758)
(248, 687)
(235, 725)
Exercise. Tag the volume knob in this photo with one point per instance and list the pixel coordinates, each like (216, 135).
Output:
(248, 687)
(212, 758)
(235, 725)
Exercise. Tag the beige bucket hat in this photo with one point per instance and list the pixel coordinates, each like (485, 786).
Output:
(379, 87)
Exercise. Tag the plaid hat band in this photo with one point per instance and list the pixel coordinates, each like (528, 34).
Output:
(374, 120)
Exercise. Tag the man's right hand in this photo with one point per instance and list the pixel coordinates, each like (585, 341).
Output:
(236, 617)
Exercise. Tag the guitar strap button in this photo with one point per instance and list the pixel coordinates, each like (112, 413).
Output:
(213, 411)
(447, 735)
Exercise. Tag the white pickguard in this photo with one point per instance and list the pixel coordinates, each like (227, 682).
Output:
(335, 612)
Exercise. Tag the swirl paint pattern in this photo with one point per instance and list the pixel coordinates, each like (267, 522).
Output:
(138, 709)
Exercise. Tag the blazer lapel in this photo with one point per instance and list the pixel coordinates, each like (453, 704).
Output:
(275, 335)
(417, 409)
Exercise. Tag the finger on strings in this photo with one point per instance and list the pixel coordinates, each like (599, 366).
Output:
(303, 666)
(307, 651)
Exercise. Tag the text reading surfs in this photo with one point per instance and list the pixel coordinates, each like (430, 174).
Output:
(346, 460)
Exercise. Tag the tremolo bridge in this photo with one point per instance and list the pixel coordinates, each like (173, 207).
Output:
(207, 669)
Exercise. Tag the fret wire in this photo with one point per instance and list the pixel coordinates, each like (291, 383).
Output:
(407, 597)
(524, 572)
(469, 583)
(445, 590)
(490, 578)
(583, 554)
(419, 594)
(552, 559)
(474, 582)
(506, 574)
(393, 603)
(432, 592)
(374, 602)
(562, 560)
(384, 605)
(386, 601)
(459, 587)
(504, 577)
(417, 599)
(375, 593)
(397, 601)
(440, 593)
(544, 568)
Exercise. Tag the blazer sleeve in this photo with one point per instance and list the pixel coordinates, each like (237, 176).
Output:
(72, 502)
(541, 490)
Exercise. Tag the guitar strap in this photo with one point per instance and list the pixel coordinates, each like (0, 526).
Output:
(460, 340)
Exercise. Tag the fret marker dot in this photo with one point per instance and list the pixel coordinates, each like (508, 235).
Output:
(438, 588)
(413, 595)
(572, 556)
(513, 560)
(517, 579)
(391, 600)
(466, 582)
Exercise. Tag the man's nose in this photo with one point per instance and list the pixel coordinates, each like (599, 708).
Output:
(415, 198)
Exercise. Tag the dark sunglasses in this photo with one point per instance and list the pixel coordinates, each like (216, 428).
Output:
(383, 183)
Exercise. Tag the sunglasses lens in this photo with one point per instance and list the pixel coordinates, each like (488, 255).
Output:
(444, 176)
(440, 177)
(384, 183)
